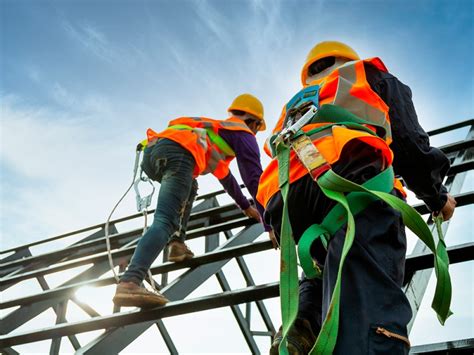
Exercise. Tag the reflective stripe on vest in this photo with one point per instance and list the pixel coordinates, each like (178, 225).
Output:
(200, 136)
(347, 88)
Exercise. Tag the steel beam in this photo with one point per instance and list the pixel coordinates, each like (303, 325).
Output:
(457, 254)
(87, 246)
(69, 289)
(462, 199)
(7, 281)
(126, 320)
(465, 346)
(469, 122)
(96, 226)
(19, 254)
(425, 261)
(250, 282)
(461, 167)
(22, 315)
(416, 287)
(166, 337)
(114, 340)
(61, 318)
(212, 242)
(243, 323)
(460, 146)
(60, 310)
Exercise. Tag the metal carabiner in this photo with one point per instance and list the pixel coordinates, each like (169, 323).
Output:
(145, 201)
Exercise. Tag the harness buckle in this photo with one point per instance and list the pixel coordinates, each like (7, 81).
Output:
(295, 123)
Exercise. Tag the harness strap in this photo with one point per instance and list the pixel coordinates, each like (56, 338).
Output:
(352, 198)
(347, 123)
(312, 234)
(338, 114)
(335, 187)
(288, 259)
(336, 218)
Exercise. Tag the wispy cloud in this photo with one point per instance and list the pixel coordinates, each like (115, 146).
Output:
(217, 23)
(92, 40)
(83, 104)
(99, 45)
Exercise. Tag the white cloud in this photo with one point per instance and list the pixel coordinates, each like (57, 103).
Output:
(63, 172)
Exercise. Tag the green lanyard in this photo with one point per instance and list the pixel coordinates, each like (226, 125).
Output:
(358, 197)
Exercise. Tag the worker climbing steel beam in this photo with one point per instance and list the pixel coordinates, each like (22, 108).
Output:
(189, 147)
(331, 189)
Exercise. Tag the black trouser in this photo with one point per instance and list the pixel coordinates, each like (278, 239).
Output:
(372, 277)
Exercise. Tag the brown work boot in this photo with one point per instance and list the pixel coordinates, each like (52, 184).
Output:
(300, 338)
(179, 251)
(129, 294)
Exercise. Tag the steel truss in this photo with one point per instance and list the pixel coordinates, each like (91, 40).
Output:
(208, 221)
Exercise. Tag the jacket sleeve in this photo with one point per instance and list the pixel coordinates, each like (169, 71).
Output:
(247, 154)
(231, 186)
(422, 167)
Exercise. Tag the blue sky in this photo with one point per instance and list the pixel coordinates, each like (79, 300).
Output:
(82, 80)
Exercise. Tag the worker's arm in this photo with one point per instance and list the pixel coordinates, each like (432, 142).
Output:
(232, 187)
(248, 160)
(422, 167)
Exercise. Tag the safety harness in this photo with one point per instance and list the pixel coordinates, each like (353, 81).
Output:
(351, 199)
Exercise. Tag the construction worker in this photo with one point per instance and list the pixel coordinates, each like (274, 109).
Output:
(189, 147)
(365, 125)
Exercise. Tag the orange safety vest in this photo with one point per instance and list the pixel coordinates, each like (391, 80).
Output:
(200, 136)
(348, 88)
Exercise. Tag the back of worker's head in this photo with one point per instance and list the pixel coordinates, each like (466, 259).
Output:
(250, 110)
(323, 58)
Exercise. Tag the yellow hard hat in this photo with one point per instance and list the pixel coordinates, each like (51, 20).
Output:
(250, 104)
(327, 49)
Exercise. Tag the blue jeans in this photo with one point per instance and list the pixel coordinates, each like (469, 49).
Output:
(171, 165)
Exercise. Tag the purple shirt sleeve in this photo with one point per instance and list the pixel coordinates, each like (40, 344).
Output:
(233, 189)
(247, 154)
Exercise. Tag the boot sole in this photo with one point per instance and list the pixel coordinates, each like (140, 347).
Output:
(178, 259)
(139, 301)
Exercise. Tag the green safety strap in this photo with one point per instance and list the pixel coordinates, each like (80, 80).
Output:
(335, 187)
(313, 233)
(337, 114)
(215, 138)
(352, 199)
(288, 258)
(336, 218)
(327, 337)
(347, 124)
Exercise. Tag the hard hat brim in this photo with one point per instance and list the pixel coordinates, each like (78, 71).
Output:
(333, 53)
(263, 125)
